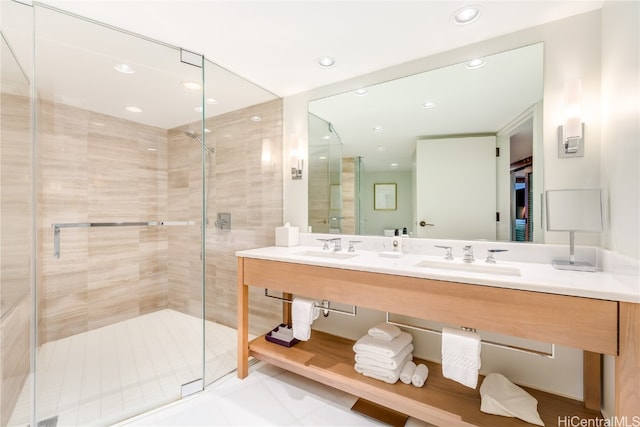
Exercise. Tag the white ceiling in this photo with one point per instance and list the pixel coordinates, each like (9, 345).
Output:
(275, 43)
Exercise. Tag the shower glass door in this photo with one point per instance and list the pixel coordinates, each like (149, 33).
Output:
(119, 293)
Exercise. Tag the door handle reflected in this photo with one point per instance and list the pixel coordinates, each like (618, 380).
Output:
(425, 223)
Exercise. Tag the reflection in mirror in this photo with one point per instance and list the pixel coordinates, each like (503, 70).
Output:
(382, 126)
(15, 192)
(384, 197)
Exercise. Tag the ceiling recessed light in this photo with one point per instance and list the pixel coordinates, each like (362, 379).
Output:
(134, 109)
(192, 85)
(124, 68)
(377, 128)
(476, 63)
(326, 62)
(255, 118)
(428, 105)
(360, 92)
(466, 15)
(394, 165)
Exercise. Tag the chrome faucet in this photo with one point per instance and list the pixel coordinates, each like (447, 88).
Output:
(325, 244)
(490, 259)
(468, 253)
(337, 244)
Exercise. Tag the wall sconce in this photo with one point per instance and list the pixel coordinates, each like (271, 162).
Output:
(296, 159)
(571, 134)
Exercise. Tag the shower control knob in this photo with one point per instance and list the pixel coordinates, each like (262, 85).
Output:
(425, 223)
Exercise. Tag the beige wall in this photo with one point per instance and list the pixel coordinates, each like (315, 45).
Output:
(15, 248)
(242, 183)
(97, 168)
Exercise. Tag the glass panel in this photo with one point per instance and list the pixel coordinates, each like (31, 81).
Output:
(243, 169)
(16, 210)
(326, 192)
(119, 316)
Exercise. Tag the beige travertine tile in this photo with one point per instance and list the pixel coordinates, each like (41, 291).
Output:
(15, 245)
(240, 184)
(96, 168)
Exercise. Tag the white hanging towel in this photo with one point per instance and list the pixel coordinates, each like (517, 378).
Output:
(461, 356)
(303, 313)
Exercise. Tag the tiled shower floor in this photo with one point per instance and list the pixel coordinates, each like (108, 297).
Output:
(117, 371)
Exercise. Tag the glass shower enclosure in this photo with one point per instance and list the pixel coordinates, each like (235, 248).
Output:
(116, 291)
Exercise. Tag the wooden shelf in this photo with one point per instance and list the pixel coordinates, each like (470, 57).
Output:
(329, 359)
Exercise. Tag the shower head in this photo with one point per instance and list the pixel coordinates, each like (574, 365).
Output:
(193, 134)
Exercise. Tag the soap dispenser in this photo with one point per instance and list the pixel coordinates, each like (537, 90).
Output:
(396, 243)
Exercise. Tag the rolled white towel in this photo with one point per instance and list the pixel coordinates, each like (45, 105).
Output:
(383, 348)
(384, 331)
(407, 372)
(420, 375)
(369, 358)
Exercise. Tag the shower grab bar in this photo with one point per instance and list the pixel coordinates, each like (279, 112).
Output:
(550, 355)
(58, 227)
(325, 306)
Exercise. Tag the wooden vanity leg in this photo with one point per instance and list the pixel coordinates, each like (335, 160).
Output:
(628, 363)
(243, 322)
(592, 375)
(286, 310)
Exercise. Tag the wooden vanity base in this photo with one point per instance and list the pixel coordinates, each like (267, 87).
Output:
(329, 360)
(585, 323)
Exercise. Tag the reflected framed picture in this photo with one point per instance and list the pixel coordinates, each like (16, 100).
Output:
(385, 196)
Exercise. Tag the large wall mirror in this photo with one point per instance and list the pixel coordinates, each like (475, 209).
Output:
(462, 143)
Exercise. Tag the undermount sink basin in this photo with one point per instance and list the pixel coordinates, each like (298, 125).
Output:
(327, 254)
(475, 267)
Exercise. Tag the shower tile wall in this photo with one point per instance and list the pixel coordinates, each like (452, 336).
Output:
(348, 195)
(15, 247)
(97, 168)
(15, 356)
(246, 181)
(318, 172)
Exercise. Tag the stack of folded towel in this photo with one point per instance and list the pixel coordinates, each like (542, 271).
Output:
(383, 352)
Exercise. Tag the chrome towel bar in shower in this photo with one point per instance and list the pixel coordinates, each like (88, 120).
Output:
(58, 227)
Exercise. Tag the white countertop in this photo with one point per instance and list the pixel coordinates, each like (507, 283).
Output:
(535, 277)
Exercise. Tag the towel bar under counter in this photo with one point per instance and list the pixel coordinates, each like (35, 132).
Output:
(549, 355)
(325, 306)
